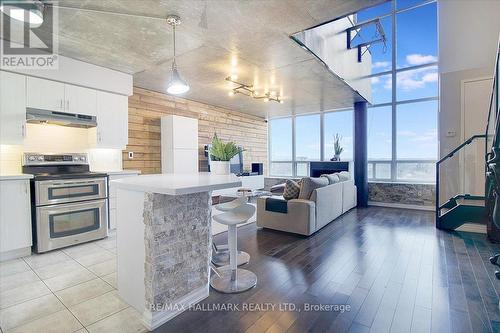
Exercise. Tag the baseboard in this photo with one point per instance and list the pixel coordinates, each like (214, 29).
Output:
(397, 205)
(14, 254)
(153, 320)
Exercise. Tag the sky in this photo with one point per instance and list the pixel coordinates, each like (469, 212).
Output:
(416, 122)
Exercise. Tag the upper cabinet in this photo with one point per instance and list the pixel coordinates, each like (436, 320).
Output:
(12, 108)
(56, 96)
(80, 100)
(112, 121)
(18, 92)
(44, 94)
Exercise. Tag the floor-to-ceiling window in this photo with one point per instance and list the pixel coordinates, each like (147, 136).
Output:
(402, 120)
(297, 140)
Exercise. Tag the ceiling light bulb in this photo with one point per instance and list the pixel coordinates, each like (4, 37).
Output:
(231, 93)
(281, 101)
(234, 77)
(256, 93)
(266, 99)
(177, 85)
(273, 93)
(33, 10)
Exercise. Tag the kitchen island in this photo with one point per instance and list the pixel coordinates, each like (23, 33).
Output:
(164, 241)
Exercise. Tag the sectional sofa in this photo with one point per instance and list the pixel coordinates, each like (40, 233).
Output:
(305, 217)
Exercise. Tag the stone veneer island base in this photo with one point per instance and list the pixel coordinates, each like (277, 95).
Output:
(164, 241)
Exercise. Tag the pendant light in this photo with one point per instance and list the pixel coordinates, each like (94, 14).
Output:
(176, 85)
(28, 10)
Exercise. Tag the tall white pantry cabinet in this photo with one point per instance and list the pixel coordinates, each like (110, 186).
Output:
(179, 144)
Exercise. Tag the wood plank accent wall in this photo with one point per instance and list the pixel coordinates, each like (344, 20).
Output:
(147, 107)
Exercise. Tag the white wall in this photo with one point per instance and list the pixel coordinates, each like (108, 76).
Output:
(468, 34)
(468, 30)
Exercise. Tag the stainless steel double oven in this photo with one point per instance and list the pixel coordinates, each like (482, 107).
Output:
(69, 203)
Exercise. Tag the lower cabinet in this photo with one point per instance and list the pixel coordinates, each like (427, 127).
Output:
(112, 197)
(15, 219)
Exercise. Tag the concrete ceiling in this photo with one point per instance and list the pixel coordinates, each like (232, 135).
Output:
(215, 39)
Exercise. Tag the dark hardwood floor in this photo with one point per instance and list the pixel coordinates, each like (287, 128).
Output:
(391, 266)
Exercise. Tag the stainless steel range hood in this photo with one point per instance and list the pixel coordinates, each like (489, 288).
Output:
(39, 116)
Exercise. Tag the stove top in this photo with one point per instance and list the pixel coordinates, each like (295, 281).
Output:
(60, 166)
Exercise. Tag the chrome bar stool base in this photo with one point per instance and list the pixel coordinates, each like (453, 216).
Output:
(224, 283)
(222, 258)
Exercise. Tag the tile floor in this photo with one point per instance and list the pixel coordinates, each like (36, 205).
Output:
(70, 290)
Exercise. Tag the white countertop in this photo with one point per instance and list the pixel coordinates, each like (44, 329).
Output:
(178, 184)
(120, 172)
(17, 176)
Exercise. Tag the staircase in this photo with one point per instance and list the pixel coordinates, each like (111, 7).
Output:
(466, 208)
(462, 208)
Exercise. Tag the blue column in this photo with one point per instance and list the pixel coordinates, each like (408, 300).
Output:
(361, 153)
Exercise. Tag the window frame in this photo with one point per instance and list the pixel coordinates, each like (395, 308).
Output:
(294, 160)
(393, 104)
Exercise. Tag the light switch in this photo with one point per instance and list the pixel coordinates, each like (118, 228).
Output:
(130, 155)
(450, 134)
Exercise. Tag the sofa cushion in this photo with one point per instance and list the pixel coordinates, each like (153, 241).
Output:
(344, 175)
(309, 184)
(291, 190)
(332, 178)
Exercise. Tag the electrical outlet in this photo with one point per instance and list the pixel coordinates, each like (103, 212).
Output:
(130, 155)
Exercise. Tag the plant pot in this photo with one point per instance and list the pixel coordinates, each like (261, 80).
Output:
(335, 158)
(220, 167)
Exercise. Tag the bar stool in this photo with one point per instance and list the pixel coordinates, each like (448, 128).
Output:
(220, 253)
(231, 279)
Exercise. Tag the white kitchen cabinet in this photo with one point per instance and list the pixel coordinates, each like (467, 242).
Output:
(56, 96)
(12, 108)
(179, 144)
(80, 100)
(45, 94)
(15, 219)
(112, 121)
(112, 195)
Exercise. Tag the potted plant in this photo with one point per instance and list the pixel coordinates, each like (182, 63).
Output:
(337, 148)
(220, 154)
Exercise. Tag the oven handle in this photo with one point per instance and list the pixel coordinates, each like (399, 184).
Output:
(74, 183)
(71, 182)
(68, 206)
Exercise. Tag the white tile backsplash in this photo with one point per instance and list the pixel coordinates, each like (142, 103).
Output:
(10, 159)
(57, 139)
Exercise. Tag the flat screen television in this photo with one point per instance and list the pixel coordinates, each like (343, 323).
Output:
(236, 162)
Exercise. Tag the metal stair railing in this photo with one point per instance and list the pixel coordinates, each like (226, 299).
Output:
(446, 157)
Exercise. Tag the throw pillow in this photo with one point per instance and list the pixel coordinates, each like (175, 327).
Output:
(332, 178)
(292, 190)
(279, 188)
(309, 184)
(344, 175)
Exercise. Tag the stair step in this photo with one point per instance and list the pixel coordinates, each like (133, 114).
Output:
(470, 202)
(472, 227)
(460, 215)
